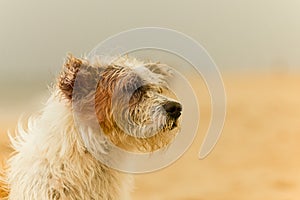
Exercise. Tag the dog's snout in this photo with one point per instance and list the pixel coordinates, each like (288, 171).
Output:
(173, 109)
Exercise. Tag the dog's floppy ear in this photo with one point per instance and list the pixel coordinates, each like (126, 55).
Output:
(67, 77)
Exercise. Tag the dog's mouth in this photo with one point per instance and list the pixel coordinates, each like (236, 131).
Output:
(174, 124)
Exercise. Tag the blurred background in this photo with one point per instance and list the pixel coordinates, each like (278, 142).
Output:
(254, 43)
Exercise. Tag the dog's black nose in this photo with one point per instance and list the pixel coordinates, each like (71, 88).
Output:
(173, 109)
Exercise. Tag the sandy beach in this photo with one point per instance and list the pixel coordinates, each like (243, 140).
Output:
(256, 158)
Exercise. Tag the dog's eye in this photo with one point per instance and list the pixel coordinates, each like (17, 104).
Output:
(140, 91)
(138, 94)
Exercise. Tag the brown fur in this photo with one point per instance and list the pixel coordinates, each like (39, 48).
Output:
(67, 77)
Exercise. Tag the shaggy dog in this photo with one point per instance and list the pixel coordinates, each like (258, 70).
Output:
(53, 160)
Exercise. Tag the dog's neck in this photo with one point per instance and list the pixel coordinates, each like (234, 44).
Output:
(54, 151)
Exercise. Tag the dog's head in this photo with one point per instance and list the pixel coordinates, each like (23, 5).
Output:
(133, 103)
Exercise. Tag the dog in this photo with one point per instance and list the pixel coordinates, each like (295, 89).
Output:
(134, 108)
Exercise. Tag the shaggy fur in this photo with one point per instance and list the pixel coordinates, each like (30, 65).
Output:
(53, 160)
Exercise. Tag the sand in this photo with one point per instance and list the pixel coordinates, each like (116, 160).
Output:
(256, 157)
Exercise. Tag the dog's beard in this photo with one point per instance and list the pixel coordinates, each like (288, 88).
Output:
(171, 124)
(144, 125)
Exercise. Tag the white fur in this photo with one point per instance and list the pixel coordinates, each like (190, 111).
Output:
(51, 161)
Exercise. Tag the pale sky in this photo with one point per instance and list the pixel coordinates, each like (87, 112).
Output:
(238, 34)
